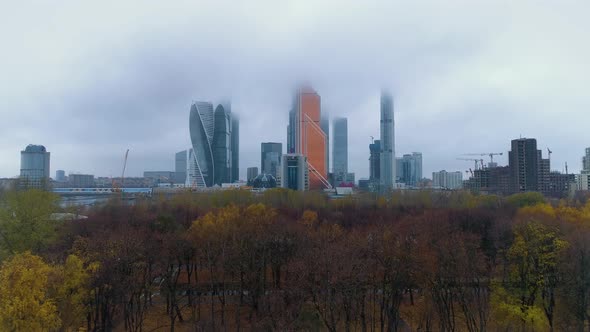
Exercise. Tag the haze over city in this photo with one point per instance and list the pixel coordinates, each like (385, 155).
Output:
(89, 81)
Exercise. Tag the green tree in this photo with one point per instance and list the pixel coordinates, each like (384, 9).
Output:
(534, 258)
(24, 302)
(25, 221)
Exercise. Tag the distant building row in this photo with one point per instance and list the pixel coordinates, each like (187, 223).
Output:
(527, 170)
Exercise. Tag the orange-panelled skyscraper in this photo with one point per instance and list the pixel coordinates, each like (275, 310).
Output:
(306, 137)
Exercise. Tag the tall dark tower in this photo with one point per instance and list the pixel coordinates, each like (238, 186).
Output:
(222, 149)
(235, 148)
(387, 158)
(524, 161)
(340, 146)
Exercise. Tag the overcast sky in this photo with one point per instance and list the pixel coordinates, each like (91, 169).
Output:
(91, 79)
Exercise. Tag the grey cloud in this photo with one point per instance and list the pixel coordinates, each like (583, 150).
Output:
(89, 81)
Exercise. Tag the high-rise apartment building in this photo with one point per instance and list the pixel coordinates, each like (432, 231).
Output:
(387, 157)
(524, 161)
(586, 161)
(340, 146)
(215, 140)
(295, 172)
(270, 158)
(34, 167)
(583, 181)
(306, 137)
(447, 180)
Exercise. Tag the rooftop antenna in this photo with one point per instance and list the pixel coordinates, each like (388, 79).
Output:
(566, 168)
(372, 140)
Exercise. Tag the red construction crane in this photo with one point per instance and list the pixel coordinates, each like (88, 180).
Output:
(118, 186)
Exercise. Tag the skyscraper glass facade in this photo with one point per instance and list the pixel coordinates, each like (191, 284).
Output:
(306, 137)
(270, 158)
(34, 167)
(409, 168)
(215, 140)
(340, 148)
(387, 158)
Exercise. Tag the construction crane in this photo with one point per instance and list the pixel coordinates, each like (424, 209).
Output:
(490, 154)
(124, 167)
(474, 160)
(117, 186)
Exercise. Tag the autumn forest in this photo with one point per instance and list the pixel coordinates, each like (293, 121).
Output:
(290, 261)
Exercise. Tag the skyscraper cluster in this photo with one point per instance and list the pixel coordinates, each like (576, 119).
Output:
(214, 158)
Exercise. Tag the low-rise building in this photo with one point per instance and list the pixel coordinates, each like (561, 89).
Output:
(81, 181)
(447, 180)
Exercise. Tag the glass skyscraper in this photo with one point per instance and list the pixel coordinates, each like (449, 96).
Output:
(409, 168)
(180, 166)
(387, 154)
(270, 158)
(34, 167)
(235, 147)
(214, 136)
(306, 137)
(325, 125)
(340, 147)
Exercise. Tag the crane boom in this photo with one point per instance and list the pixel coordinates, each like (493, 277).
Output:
(490, 154)
(474, 160)
(124, 167)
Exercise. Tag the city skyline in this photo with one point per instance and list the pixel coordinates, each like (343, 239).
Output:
(458, 78)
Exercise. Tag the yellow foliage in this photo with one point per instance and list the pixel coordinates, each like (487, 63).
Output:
(259, 214)
(73, 292)
(507, 309)
(541, 211)
(24, 303)
(309, 218)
